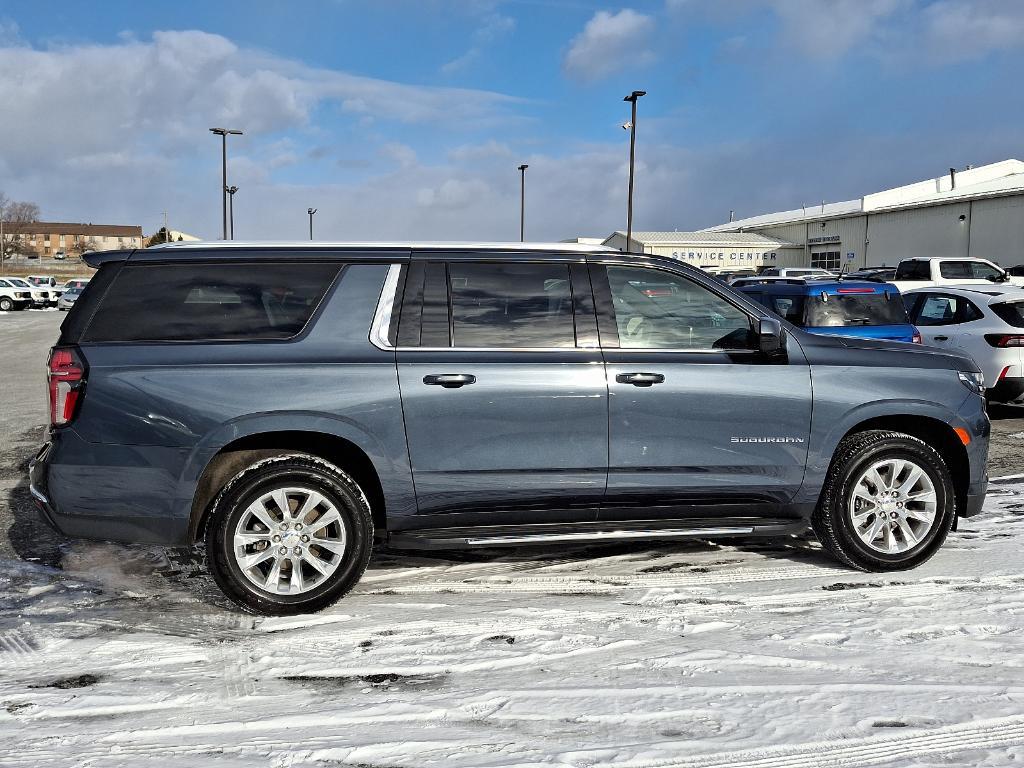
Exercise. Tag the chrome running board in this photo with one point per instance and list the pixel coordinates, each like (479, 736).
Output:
(668, 533)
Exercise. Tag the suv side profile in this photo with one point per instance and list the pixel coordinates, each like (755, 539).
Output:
(290, 405)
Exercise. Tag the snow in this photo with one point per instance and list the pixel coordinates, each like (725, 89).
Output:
(761, 654)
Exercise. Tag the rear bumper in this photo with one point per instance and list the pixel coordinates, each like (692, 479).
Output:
(113, 493)
(1007, 390)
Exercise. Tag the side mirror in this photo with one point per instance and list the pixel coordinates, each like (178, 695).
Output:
(771, 339)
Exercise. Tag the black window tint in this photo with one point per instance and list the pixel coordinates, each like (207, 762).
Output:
(662, 310)
(188, 302)
(1011, 311)
(914, 270)
(511, 305)
(790, 308)
(955, 270)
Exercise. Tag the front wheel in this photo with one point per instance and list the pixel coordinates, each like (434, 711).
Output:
(289, 534)
(888, 502)
(6, 305)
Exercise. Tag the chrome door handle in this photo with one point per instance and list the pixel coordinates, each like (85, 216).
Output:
(640, 379)
(449, 380)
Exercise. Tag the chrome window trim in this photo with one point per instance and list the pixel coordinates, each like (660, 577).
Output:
(385, 305)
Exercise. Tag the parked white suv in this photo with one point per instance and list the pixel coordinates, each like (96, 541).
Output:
(985, 321)
(796, 272)
(926, 272)
(13, 296)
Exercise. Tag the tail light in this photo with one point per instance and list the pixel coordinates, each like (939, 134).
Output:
(1004, 340)
(65, 379)
(917, 337)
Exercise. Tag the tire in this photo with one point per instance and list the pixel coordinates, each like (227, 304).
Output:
(909, 540)
(6, 305)
(248, 506)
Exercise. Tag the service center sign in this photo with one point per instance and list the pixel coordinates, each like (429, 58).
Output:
(722, 257)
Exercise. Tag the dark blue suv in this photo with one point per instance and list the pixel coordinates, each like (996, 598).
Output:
(290, 405)
(836, 307)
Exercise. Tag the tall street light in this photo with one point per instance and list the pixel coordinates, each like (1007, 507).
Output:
(522, 202)
(223, 133)
(632, 152)
(231, 208)
(311, 211)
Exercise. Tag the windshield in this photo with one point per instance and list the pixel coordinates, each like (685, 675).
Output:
(854, 309)
(20, 283)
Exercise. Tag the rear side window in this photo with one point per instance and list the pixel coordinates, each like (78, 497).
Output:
(511, 305)
(790, 308)
(191, 302)
(1011, 311)
(914, 270)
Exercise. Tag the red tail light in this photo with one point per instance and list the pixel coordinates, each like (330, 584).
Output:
(1004, 340)
(65, 379)
(917, 337)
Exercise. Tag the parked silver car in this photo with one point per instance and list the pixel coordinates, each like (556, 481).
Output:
(67, 300)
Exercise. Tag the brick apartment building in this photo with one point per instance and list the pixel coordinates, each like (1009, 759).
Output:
(46, 238)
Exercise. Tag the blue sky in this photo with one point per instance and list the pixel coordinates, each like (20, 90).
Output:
(401, 119)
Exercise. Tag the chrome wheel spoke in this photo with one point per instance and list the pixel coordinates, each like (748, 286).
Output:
(320, 565)
(324, 520)
(875, 479)
(874, 530)
(250, 537)
(280, 497)
(908, 533)
(928, 497)
(273, 580)
(312, 500)
(924, 515)
(251, 561)
(911, 480)
(257, 510)
(296, 584)
(337, 547)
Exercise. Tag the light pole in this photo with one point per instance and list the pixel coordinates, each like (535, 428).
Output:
(223, 133)
(522, 202)
(632, 151)
(311, 211)
(231, 209)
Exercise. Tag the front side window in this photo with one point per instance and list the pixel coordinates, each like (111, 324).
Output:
(511, 305)
(191, 302)
(968, 270)
(662, 310)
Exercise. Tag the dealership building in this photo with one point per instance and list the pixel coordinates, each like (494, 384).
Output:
(972, 212)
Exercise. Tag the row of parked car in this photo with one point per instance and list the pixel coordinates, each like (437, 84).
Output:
(971, 306)
(39, 292)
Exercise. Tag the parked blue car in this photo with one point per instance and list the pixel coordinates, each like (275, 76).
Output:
(835, 307)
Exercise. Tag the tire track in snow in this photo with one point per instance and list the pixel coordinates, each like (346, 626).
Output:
(862, 752)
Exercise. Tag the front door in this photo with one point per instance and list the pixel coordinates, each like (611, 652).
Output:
(503, 392)
(701, 425)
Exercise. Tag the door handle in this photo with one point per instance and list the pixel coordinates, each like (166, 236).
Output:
(640, 379)
(942, 338)
(449, 380)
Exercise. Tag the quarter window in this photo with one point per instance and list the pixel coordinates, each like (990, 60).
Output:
(511, 305)
(662, 310)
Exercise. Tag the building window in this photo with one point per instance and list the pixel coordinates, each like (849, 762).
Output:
(62, 241)
(826, 260)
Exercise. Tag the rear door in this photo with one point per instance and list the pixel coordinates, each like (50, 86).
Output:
(944, 319)
(700, 425)
(503, 391)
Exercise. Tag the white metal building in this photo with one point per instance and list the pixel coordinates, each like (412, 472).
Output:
(713, 249)
(974, 212)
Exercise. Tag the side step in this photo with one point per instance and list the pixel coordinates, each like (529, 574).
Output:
(604, 531)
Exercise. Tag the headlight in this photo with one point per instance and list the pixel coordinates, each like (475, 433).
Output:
(973, 381)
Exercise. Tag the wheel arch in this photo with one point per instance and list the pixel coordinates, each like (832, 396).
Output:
(936, 433)
(240, 453)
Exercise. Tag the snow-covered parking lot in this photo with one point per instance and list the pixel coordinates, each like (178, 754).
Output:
(748, 654)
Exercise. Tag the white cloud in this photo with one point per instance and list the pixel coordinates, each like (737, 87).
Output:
(965, 29)
(610, 42)
(492, 27)
(828, 29)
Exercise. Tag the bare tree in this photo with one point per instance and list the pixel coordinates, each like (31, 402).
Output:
(15, 216)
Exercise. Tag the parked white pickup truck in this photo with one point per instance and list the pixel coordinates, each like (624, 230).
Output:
(926, 272)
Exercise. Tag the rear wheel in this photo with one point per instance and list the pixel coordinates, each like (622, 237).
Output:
(289, 534)
(888, 502)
